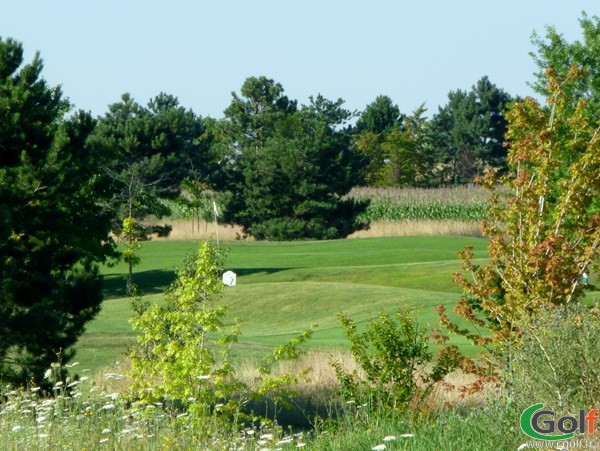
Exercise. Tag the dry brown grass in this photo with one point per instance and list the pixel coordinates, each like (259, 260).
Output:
(321, 379)
(317, 392)
(186, 230)
(418, 228)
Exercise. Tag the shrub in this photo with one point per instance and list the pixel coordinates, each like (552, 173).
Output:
(393, 353)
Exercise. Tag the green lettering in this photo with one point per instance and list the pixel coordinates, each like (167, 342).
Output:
(531, 429)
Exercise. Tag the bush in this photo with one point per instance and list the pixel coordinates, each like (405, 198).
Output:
(393, 353)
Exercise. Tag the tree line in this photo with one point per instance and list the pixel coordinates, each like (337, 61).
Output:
(69, 181)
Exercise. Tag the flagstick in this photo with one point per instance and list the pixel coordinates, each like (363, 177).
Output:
(216, 211)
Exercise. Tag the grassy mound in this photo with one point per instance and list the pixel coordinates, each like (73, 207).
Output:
(284, 287)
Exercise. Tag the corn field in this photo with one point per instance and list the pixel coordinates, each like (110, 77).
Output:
(461, 203)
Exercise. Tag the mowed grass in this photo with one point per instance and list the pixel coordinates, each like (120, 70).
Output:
(283, 288)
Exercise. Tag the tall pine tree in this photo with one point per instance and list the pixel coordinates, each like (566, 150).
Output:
(52, 230)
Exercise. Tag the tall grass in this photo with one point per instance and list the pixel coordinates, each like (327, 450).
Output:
(81, 414)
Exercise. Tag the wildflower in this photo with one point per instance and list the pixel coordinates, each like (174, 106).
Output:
(105, 431)
(389, 438)
(108, 406)
(47, 374)
(204, 377)
(407, 435)
(285, 441)
(523, 446)
(267, 437)
(17, 428)
(378, 448)
(43, 435)
(300, 445)
(35, 389)
(104, 440)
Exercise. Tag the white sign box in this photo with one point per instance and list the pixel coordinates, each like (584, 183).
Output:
(229, 278)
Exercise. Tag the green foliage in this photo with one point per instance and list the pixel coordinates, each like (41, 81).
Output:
(467, 134)
(380, 116)
(54, 228)
(183, 354)
(130, 233)
(393, 354)
(150, 151)
(397, 155)
(177, 357)
(555, 52)
(196, 201)
(290, 168)
(546, 235)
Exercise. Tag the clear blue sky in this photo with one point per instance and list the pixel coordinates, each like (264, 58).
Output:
(201, 51)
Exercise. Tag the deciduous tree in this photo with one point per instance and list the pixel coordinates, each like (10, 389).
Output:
(545, 232)
(554, 51)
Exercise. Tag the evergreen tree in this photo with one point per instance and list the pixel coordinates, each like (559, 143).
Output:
(380, 116)
(53, 232)
(152, 150)
(467, 134)
(290, 168)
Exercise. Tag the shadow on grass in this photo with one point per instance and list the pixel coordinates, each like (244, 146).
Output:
(148, 282)
(158, 280)
(241, 272)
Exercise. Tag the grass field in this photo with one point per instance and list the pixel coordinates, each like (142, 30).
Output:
(284, 287)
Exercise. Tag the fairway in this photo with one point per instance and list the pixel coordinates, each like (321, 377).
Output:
(284, 287)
